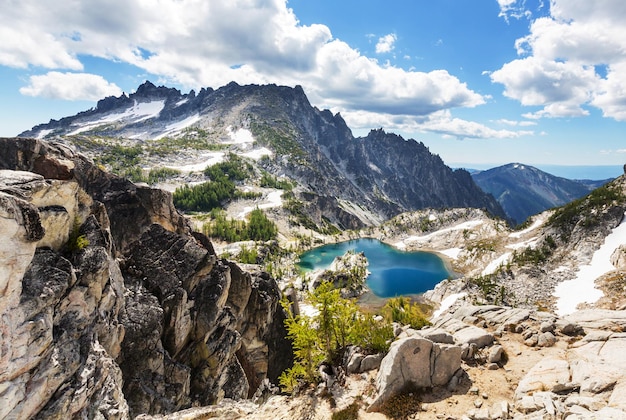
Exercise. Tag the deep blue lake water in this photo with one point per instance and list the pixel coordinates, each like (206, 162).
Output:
(393, 272)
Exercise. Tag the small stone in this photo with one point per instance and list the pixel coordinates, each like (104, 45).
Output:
(500, 410)
(473, 391)
(531, 341)
(484, 395)
(546, 339)
(493, 366)
(478, 403)
(495, 354)
(453, 384)
(546, 326)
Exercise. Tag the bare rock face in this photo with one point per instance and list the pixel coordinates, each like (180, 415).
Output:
(110, 307)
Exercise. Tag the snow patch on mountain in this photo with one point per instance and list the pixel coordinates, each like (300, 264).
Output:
(140, 111)
(447, 303)
(461, 226)
(178, 126)
(43, 133)
(525, 244)
(257, 154)
(495, 264)
(582, 289)
(242, 136)
(208, 159)
(451, 252)
(539, 221)
(271, 200)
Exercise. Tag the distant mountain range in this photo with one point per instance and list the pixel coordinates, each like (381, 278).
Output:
(347, 181)
(523, 190)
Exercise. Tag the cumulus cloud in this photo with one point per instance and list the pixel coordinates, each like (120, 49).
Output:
(70, 86)
(386, 43)
(440, 122)
(199, 43)
(559, 57)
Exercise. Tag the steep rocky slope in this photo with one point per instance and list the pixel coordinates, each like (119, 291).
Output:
(351, 182)
(111, 306)
(524, 191)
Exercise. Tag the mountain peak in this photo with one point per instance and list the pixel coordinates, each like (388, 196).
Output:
(523, 190)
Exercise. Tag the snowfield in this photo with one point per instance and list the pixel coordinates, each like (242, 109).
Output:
(138, 112)
(582, 288)
(209, 160)
(465, 225)
(178, 126)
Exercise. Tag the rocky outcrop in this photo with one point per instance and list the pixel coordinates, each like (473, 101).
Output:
(588, 381)
(110, 306)
(415, 363)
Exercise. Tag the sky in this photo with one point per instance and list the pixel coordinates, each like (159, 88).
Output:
(481, 83)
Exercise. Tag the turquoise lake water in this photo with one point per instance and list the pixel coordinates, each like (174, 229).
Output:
(393, 272)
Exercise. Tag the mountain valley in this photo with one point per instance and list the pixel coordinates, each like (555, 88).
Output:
(145, 296)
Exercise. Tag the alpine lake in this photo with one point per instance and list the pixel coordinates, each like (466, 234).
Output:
(393, 272)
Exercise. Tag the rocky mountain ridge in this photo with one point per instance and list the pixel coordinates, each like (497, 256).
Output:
(524, 191)
(351, 182)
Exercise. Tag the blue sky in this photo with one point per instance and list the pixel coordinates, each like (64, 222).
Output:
(481, 83)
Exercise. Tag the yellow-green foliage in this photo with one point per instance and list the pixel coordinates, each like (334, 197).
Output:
(324, 336)
(76, 241)
(400, 309)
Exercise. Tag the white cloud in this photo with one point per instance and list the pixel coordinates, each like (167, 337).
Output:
(23, 46)
(440, 122)
(386, 43)
(70, 86)
(348, 80)
(557, 70)
(513, 123)
(513, 8)
(200, 43)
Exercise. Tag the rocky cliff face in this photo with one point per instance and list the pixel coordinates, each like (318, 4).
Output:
(110, 305)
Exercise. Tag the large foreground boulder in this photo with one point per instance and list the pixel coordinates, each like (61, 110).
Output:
(415, 363)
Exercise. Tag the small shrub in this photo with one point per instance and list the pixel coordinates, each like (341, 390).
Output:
(248, 256)
(400, 309)
(351, 412)
(76, 241)
(402, 406)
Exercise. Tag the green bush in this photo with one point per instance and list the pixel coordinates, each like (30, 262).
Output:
(535, 255)
(325, 336)
(205, 196)
(248, 256)
(270, 181)
(400, 309)
(585, 211)
(233, 169)
(161, 174)
(259, 228)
